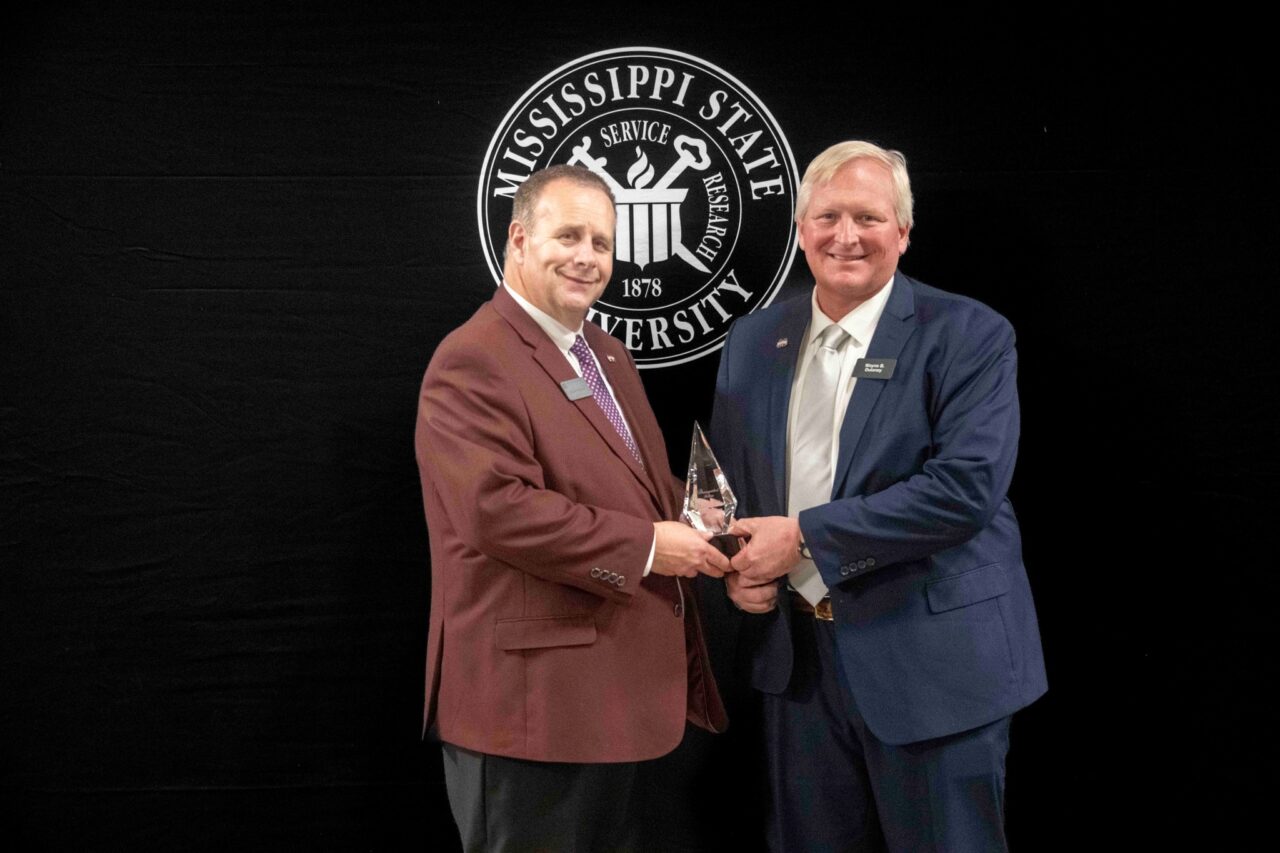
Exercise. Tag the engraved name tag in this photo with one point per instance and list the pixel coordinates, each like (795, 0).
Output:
(576, 388)
(874, 368)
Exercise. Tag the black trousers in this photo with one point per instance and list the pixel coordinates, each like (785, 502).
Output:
(835, 786)
(508, 804)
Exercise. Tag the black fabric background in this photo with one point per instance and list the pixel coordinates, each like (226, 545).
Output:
(231, 236)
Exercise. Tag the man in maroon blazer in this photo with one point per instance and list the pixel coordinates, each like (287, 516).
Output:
(563, 648)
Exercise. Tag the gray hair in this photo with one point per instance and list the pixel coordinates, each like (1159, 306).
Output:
(825, 165)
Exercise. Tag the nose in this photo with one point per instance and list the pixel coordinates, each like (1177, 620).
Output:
(846, 230)
(584, 254)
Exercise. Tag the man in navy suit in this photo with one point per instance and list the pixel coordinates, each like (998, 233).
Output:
(870, 432)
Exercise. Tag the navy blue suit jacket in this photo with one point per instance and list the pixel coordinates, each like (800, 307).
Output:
(919, 545)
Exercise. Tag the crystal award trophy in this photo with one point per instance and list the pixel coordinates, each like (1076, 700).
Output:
(709, 503)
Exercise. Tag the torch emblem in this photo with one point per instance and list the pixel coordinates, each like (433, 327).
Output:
(649, 217)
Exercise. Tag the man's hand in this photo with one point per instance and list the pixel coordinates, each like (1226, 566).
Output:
(681, 550)
(772, 549)
(751, 596)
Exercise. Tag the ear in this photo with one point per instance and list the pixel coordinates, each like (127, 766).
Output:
(799, 234)
(518, 237)
(904, 239)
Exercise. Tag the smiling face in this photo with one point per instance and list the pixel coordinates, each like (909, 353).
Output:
(851, 237)
(562, 262)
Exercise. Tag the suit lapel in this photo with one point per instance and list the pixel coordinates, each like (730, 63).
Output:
(791, 329)
(896, 325)
(552, 360)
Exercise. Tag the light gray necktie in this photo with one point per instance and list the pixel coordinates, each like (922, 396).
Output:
(811, 440)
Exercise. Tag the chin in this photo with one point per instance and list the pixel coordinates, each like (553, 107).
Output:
(860, 287)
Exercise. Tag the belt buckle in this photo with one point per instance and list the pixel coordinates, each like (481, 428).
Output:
(822, 612)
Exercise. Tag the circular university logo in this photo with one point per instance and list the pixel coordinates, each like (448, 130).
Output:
(703, 178)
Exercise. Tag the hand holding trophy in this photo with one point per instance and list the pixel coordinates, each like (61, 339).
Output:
(709, 503)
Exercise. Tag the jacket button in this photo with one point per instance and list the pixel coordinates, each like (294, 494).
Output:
(871, 562)
(679, 609)
(862, 564)
(595, 573)
(621, 580)
(844, 570)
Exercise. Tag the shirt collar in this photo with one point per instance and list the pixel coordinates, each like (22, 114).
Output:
(860, 323)
(561, 336)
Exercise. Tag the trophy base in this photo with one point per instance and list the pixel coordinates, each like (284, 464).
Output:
(726, 543)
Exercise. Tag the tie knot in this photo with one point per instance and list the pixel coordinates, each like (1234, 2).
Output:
(580, 348)
(832, 337)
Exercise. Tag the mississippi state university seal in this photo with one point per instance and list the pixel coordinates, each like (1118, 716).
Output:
(703, 178)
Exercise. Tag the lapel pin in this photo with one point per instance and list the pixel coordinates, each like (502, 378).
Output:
(782, 342)
(611, 358)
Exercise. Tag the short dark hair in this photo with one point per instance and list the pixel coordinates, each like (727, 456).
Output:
(528, 193)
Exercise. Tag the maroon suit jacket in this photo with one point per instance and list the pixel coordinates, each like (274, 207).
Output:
(545, 641)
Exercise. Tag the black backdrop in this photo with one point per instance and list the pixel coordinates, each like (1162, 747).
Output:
(231, 238)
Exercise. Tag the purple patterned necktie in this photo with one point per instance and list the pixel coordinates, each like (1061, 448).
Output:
(601, 394)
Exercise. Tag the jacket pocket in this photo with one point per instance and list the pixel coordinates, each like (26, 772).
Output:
(541, 632)
(969, 588)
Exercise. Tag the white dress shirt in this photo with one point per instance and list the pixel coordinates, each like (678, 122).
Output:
(861, 324)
